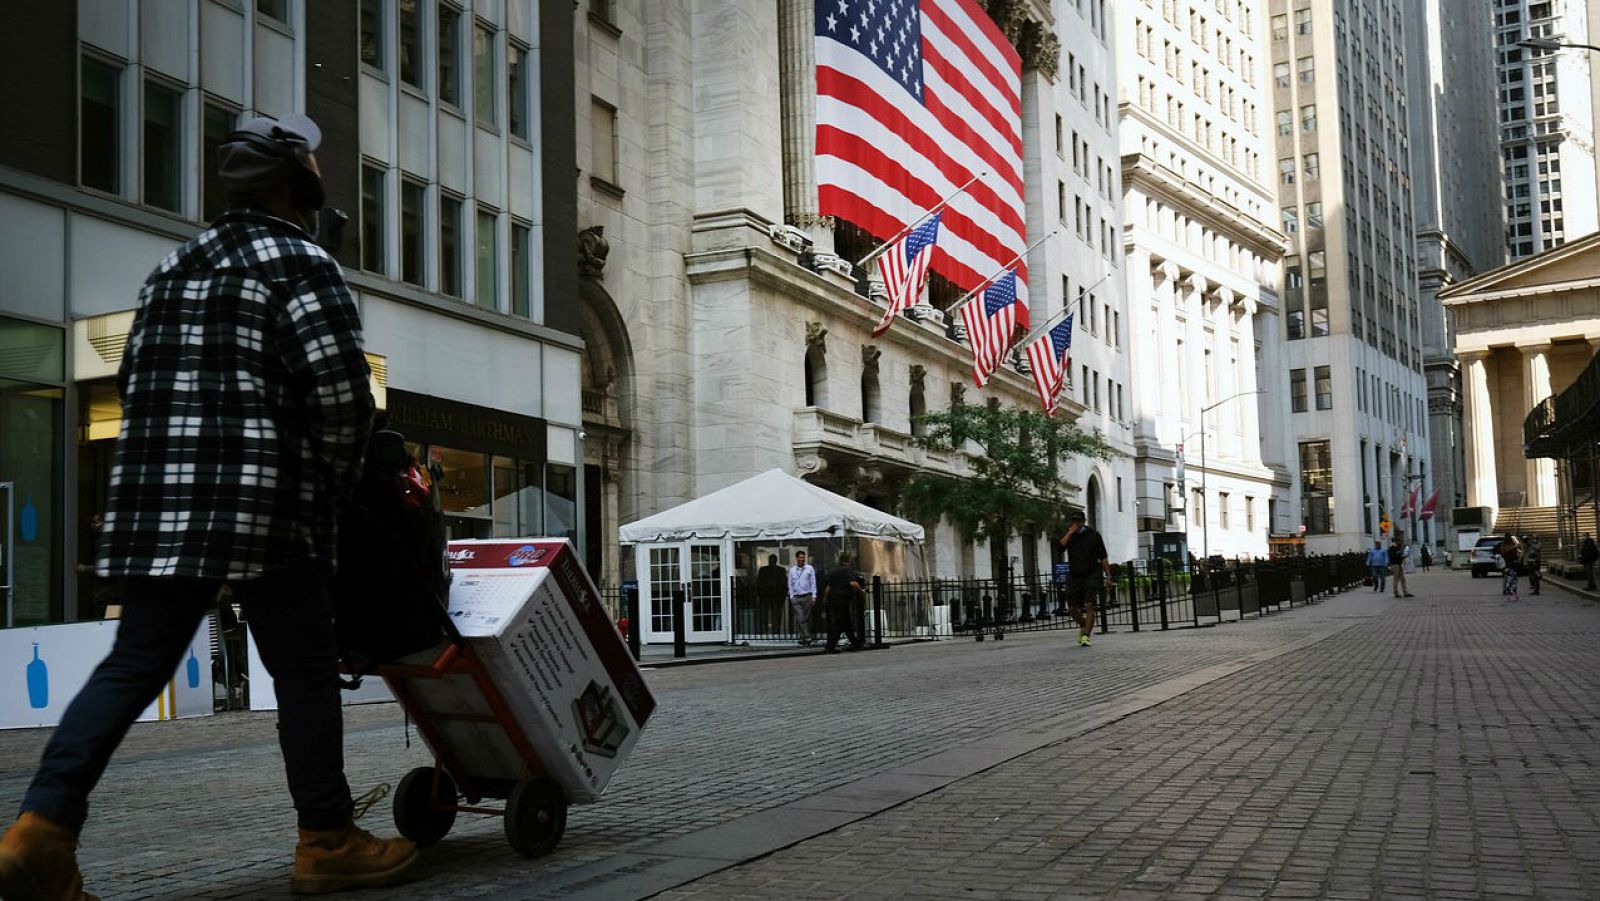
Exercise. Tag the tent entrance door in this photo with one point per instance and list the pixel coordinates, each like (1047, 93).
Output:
(697, 569)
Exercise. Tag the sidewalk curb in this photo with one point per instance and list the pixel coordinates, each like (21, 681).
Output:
(755, 656)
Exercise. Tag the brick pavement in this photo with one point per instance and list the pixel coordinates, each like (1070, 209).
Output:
(196, 810)
(1445, 750)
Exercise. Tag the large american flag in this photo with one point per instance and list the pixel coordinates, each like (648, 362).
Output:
(914, 98)
(904, 266)
(991, 321)
(1049, 357)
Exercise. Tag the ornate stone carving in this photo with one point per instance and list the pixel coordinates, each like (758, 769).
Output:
(1043, 52)
(958, 394)
(809, 220)
(592, 251)
(810, 463)
(870, 355)
(919, 374)
(815, 333)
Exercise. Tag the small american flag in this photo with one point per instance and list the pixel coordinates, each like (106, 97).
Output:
(1048, 357)
(991, 321)
(914, 98)
(904, 266)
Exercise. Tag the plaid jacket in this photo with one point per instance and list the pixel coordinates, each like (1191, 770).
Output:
(245, 407)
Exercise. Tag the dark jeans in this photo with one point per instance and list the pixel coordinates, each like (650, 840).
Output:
(844, 616)
(291, 616)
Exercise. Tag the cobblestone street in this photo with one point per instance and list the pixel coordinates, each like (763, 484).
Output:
(1438, 747)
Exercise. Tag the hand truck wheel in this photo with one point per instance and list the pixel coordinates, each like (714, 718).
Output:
(536, 816)
(421, 813)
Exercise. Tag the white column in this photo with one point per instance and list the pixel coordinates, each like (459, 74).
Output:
(1478, 418)
(1247, 382)
(1535, 388)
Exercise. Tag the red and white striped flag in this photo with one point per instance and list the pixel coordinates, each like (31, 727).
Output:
(904, 266)
(991, 320)
(1429, 507)
(1049, 359)
(914, 98)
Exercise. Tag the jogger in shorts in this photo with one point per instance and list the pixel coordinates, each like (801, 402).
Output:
(1087, 563)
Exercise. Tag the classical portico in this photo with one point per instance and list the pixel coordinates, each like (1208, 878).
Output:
(1524, 333)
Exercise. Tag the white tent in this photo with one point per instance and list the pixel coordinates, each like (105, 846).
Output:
(773, 505)
(692, 547)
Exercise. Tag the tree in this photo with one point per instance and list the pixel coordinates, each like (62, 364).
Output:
(1016, 478)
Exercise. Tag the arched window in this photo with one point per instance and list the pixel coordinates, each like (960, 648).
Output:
(1093, 506)
(919, 405)
(816, 374)
(871, 407)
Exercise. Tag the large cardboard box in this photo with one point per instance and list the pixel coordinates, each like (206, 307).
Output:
(529, 611)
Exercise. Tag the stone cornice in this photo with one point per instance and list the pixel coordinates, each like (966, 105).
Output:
(1159, 181)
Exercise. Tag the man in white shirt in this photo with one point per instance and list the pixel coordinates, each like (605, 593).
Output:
(802, 595)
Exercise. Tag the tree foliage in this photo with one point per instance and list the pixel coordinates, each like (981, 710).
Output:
(1016, 480)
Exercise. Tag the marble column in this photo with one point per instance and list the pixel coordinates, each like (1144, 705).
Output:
(1535, 388)
(1482, 484)
(1247, 382)
(797, 81)
(1169, 394)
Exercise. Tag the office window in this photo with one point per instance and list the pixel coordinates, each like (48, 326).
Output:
(1280, 28)
(449, 55)
(488, 294)
(274, 9)
(1324, 388)
(1249, 514)
(1297, 390)
(1316, 487)
(411, 43)
(483, 76)
(1308, 117)
(99, 134)
(450, 246)
(1286, 170)
(603, 141)
(1222, 508)
(413, 228)
(1314, 214)
(1291, 220)
(372, 33)
(1302, 21)
(216, 124)
(1280, 74)
(1285, 121)
(163, 160)
(1313, 166)
(517, 91)
(521, 294)
(1307, 67)
(372, 250)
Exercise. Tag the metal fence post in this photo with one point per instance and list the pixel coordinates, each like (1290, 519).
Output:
(877, 612)
(631, 597)
(680, 628)
(1133, 595)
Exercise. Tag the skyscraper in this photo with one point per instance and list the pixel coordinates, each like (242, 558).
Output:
(1204, 261)
(1456, 191)
(1351, 317)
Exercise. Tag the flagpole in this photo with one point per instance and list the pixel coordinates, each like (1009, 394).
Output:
(881, 248)
(999, 272)
(1066, 308)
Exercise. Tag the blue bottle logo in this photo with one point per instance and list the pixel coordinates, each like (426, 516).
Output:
(194, 670)
(38, 682)
(28, 521)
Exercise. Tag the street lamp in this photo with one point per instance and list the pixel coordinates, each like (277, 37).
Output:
(1552, 45)
(1205, 499)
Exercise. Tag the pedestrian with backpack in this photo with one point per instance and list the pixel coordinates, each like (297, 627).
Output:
(1397, 566)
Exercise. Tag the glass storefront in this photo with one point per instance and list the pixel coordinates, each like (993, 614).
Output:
(494, 496)
(32, 375)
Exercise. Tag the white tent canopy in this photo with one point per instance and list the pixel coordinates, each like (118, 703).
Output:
(771, 506)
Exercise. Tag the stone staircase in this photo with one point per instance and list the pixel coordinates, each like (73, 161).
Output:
(1540, 522)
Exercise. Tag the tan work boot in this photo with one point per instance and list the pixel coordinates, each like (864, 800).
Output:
(348, 857)
(39, 862)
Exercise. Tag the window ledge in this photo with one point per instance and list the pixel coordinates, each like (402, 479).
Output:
(606, 187)
(605, 25)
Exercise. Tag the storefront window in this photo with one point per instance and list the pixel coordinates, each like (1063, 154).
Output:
(518, 499)
(464, 491)
(31, 436)
(561, 501)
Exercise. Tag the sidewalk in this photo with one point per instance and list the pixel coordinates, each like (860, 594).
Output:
(747, 758)
(1444, 750)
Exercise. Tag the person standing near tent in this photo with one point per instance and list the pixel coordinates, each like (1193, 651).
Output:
(839, 598)
(802, 596)
(772, 593)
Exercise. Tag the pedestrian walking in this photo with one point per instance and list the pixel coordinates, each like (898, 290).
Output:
(1087, 566)
(839, 596)
(1397, 567)
(1532, 561)
(1587, 556)
(802, 597)
(1378, 564)
(1510, 551)
(1427, 558)
(245, 412)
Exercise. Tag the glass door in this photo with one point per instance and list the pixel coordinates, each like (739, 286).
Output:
(655, 601)
(707, 619)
